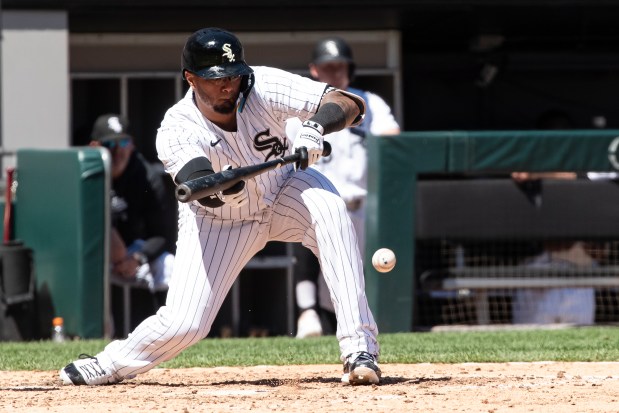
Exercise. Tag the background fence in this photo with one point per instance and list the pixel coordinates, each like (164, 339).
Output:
(398, 164)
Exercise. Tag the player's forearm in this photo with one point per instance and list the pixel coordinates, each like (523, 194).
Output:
(339, 110)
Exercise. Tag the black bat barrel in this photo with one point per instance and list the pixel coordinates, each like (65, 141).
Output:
(206, 185)
(211, 184)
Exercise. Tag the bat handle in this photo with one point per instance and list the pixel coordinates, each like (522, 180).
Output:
(326, 148)
(183, 193)
(301, 155)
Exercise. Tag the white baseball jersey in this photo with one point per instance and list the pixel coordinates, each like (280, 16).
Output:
(214, 244)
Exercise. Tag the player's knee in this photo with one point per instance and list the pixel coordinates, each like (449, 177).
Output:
(337, 213)
(190, 328)
(339, 205)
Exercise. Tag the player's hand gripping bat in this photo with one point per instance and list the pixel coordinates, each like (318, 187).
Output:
(208, 185)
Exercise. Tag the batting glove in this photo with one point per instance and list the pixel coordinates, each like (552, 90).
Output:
(235, 196)
(310, 137)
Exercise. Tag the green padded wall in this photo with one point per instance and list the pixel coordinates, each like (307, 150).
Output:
(61, 213)
(395, 162)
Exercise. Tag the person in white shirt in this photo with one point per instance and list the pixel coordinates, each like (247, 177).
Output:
(333, 63)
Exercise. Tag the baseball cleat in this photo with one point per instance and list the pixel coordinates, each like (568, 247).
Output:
(361, 368)
(308, 324)
(86, 371)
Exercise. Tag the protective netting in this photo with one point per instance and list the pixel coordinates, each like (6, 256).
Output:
(572, 282)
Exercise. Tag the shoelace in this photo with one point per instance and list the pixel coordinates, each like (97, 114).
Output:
(362, 355)
(94, 369)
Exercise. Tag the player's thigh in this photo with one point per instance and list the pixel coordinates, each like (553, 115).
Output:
(306, 199)
(211, 253)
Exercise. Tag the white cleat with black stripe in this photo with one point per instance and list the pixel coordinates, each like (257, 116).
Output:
(86, 371)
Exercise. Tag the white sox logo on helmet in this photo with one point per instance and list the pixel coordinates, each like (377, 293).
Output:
(228, 51)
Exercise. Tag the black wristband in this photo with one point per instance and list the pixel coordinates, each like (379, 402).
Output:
(331, 117)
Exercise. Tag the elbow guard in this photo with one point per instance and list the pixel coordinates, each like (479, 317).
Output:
(333, 118)
(197, 168)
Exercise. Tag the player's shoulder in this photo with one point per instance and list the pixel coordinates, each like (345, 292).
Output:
(267, 69)
(265, 73)
(274, 74)
(182, 111)
(270, 80)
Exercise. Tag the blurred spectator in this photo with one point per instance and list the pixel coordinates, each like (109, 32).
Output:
(333, 63)
(143, 220)
(554, 305)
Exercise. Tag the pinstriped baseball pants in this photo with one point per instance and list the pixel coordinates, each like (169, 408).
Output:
(211, 253)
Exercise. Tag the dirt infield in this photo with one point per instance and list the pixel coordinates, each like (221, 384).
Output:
(492, 388)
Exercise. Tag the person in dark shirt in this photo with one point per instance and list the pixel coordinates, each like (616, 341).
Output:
(143, 211)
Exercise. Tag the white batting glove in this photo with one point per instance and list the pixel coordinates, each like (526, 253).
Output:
(236, 196)
(310, 137)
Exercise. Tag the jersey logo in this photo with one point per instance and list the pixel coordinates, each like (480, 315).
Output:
(263, 141)
(213, 143)
(228, 53)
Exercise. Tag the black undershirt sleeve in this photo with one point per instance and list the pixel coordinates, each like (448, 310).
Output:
(331, 117)
(197, 168)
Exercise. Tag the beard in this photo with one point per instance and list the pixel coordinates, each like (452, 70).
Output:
(221, 105)
(225, 108)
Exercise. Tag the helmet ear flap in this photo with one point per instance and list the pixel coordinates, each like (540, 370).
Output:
(247, 83)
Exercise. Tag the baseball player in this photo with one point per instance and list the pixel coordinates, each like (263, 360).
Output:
(234, 115)
(332, 62)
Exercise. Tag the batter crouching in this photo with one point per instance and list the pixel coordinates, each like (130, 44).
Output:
(234, 115)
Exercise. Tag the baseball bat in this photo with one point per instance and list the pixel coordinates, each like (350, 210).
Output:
(208, 185)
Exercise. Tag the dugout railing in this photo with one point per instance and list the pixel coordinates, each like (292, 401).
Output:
(397, 163)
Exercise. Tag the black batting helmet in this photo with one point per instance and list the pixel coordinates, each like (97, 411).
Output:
(213, 53)
(334, 49)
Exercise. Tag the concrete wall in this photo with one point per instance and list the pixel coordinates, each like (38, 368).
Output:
(35, 81)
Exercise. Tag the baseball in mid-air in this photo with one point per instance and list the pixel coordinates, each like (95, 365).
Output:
(383, 260)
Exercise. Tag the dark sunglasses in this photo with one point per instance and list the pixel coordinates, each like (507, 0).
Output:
(121, 143)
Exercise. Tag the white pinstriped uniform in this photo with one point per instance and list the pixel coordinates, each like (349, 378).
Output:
(215, 244)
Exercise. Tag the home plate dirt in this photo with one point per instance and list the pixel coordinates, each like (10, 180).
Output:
(471, 387)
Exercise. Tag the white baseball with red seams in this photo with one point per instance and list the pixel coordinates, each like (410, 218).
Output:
(383, 260)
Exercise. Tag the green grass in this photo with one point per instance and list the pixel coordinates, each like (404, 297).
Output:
(574, 344)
